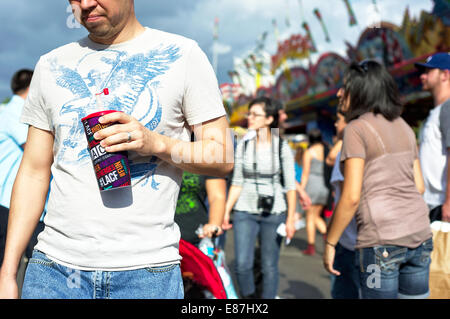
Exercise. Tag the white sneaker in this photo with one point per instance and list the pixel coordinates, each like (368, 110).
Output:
(299, 224)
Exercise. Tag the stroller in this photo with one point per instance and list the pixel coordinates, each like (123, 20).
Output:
(205, 277)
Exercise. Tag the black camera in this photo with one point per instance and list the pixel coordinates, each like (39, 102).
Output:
(265, 203)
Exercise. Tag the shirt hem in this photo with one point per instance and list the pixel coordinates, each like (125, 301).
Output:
(393, 243)
(31, 122)
(100, 268)
(257, 213)
(206, 117)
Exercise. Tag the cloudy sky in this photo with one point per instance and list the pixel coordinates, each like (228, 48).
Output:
(32, 28)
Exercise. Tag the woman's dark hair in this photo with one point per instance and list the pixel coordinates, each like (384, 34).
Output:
(21, 80)
(371, 88)
(340, 111)
(314, 136)
(271, 107)
(299, 155)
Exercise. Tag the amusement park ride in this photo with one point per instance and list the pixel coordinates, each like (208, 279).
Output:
(309, 92)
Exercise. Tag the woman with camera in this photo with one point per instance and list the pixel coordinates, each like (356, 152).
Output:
(262, 196)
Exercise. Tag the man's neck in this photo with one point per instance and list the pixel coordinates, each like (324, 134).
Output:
(22, 94)
(129, 32)
(441, 96)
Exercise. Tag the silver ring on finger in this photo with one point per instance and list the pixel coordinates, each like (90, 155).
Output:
(129, 137)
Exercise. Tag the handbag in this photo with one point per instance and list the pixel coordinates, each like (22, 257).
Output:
(440, 261)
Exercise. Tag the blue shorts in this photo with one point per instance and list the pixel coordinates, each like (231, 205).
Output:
(45, 279)
(391, 272)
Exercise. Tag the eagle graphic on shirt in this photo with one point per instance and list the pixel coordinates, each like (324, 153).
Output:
(132, 80)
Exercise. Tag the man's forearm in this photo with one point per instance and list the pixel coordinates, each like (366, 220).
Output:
(212, 154)
(216, 212)
(204, 157)
(27, 205)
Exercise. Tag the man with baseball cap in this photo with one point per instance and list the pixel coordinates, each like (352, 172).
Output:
(435, 136)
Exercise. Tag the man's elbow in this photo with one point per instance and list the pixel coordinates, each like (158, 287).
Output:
(226, 169)
(221, 170)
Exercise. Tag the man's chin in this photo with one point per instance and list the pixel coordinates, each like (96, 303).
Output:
(95, 28)
(98, 33)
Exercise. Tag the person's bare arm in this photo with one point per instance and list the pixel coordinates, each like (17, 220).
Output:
(291, 198)
(211, 154)
(331, 158)
(418, 177)
(27, 204)
(303, 197)
(306, 168)
(216, 190)
(345, 209)
(233, 195)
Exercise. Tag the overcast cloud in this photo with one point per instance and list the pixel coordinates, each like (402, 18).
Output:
(30, 28)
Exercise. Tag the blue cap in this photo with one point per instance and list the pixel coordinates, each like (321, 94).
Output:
(436, 61)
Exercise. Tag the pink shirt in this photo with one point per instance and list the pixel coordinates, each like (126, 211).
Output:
(391, 210)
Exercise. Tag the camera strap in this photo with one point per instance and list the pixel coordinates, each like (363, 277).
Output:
(255, 165)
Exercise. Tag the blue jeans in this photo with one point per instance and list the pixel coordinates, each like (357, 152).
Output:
(346, 285)
(45, 279)
(391, 272)
(246, 229)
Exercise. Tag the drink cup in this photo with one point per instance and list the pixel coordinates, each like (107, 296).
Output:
(111, 169)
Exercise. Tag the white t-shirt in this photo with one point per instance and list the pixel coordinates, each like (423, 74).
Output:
(433, 159)
(167, 83)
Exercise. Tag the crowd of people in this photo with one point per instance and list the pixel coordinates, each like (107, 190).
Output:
(384, 187)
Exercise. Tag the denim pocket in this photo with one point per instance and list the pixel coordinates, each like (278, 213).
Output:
(427, 248)
(389, 257)
(161, 269)
(40, 258)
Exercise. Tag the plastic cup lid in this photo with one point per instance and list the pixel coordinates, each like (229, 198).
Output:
(98, 114)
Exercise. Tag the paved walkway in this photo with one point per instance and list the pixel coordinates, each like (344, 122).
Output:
(301, 277)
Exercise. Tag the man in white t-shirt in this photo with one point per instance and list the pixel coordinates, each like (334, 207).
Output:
(433, 150)
(126, 245)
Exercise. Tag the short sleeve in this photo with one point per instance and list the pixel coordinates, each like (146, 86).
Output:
(207, 177)
(202, 98)
(444, 123)
(353, 145)
(34, 110)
